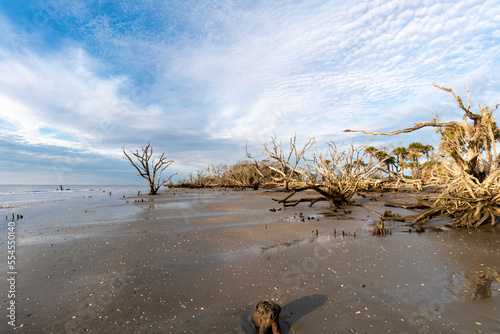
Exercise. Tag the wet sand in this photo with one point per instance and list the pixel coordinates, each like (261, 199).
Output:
(190, 261)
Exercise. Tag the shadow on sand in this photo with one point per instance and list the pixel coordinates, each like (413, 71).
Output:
(290, 314)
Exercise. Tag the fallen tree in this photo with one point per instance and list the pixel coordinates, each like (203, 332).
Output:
(471, 174)
(467, 199)
(335, 175)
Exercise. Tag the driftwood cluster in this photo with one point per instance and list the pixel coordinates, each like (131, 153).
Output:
(470, 201)
(471, 170)
(380, 229)
(467, 174)
(335, 175)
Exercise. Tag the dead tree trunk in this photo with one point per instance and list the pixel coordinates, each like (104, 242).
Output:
(148, 168)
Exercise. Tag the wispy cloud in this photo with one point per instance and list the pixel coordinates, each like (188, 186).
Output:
(201, 79)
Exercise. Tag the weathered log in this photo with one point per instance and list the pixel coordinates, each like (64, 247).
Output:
(335, 199)
(295, 202)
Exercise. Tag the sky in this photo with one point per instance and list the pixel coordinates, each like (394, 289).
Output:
(203, 80)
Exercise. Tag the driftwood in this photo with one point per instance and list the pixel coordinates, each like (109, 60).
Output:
(332, 198)
(283, 163)
(388, 184)
(335, 175)
(469, 201)
(417, 126)
(471, 179)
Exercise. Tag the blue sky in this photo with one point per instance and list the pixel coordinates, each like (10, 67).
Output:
(202, 79)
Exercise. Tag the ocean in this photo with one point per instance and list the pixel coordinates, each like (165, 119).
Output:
(17, 197)
(44, 207)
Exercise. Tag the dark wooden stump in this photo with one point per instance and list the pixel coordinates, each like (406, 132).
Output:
(266, 318)
(379, 230)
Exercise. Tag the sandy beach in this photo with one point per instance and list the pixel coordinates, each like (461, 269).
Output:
(198, 261)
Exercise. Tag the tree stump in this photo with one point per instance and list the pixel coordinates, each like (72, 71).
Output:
(379, 230)
(266, 318)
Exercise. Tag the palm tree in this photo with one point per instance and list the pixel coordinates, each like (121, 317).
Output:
(416, 149)
(381, 156)
(414, 156)
(404, 165)
(426, 149)
(390, 161)
(355, 164)
(401, 153)
(371, 151)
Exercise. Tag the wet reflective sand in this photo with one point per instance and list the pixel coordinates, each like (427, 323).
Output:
(195, 261)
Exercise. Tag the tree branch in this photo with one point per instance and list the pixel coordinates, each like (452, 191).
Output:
(416, 127)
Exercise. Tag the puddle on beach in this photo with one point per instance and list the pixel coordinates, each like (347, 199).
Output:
(394, 226)
(285, 245)
(475, 285)
(320, 239)
(211, 226)
(171, 205)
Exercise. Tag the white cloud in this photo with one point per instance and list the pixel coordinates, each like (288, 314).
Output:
(62, 100)
(227, 74)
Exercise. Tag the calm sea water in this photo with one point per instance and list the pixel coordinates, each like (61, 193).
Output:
(54, 215)
(22, 196)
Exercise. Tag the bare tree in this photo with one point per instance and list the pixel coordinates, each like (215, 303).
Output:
(471, 185)
(336, 175)
(148, 168)
(285, 161)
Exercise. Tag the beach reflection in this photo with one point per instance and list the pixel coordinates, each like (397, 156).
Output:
(475, 285)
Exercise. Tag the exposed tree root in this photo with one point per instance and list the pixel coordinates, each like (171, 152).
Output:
(295, 202)
(335, 199)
